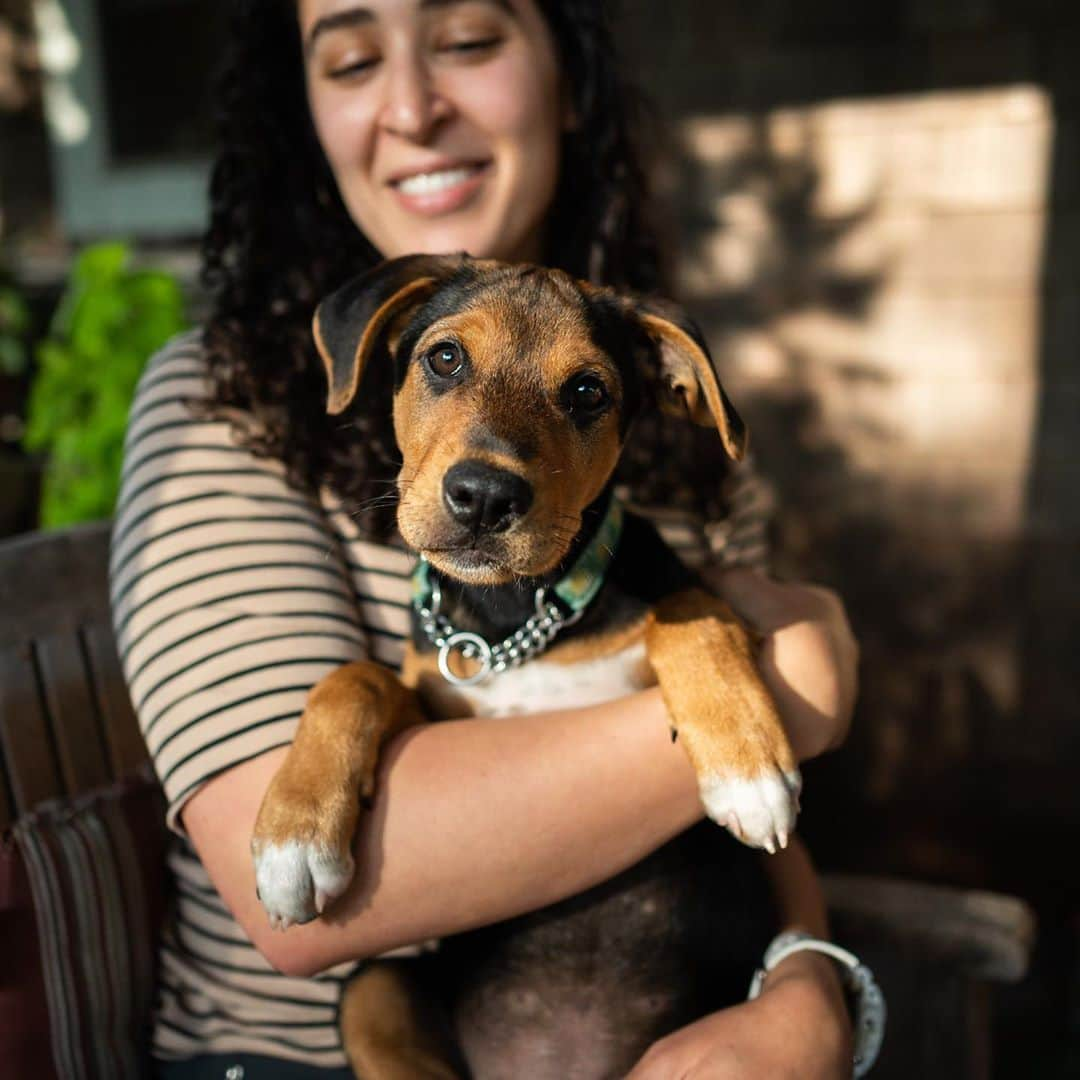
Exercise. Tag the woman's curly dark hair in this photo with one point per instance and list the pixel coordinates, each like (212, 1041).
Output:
(280, 239)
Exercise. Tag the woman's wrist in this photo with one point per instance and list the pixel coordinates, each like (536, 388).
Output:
(815, 969)
(806, 981)
(808, 986)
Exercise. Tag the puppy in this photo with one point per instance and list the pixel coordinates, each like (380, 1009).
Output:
(514, 390)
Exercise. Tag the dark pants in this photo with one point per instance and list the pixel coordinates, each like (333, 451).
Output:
(243, 1067)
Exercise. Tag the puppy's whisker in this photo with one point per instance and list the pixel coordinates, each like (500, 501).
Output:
(372, 504)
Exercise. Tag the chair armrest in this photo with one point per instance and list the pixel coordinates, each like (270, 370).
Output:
(984, 934)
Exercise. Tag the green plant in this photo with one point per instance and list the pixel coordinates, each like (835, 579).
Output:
(110, 320)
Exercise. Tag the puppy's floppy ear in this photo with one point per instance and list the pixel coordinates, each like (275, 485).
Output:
(352, 321)
(688, 386)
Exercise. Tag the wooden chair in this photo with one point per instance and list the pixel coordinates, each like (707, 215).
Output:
(66, 722)
(66, 726)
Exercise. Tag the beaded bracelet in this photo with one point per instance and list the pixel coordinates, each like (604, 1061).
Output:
(869, 1001)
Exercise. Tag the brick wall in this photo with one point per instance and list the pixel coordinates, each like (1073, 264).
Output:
(877, 210)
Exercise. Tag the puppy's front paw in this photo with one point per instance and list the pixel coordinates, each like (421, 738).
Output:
(296, 879)
(759, 811)
(302, 846)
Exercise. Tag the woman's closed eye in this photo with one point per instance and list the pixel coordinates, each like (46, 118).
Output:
(345, 51)
(471, 32)
(349, 66)
(473, 46)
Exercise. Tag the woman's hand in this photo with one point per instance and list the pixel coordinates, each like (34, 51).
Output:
(798, 1028)
(808, 655)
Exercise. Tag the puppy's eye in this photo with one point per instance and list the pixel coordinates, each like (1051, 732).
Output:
(445, 360)
(587, 395)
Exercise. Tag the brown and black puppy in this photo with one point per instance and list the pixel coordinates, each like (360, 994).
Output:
(514, 390)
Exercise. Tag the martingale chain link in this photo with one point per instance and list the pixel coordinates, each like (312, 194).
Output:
(529, 640)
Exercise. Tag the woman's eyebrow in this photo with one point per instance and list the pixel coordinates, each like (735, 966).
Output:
(349, 17)
(356, 16)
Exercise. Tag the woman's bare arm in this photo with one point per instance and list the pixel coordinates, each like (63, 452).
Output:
(479, 820)
(474, 821)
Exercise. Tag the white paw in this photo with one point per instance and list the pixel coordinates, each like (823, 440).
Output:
(295, 881)
(760, 812)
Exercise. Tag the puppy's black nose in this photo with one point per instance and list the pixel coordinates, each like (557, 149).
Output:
(484, 498)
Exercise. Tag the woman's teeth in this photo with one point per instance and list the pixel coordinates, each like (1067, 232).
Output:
(429, 183)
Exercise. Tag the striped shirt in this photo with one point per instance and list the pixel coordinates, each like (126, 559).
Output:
(233, 593)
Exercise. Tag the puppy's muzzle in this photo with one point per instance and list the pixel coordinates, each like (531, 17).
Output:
(485, 499)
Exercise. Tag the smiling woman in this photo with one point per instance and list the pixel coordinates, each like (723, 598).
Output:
(381, 79)
(255, 547)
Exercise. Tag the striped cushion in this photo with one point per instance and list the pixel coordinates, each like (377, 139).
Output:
(81, 881)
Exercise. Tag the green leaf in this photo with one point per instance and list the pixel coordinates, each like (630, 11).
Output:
(109, 322)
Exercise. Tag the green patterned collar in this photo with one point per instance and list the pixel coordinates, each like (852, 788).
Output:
(578, 588)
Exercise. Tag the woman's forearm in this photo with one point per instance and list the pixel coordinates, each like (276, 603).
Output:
(800, 905)
(480, 820)
(796, 889)
(474, 821)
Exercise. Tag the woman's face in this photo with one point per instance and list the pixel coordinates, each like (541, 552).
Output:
(441, 120)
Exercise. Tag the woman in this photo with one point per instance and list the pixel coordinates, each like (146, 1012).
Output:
(353, 130)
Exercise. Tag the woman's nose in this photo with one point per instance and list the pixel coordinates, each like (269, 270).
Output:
(413, 106)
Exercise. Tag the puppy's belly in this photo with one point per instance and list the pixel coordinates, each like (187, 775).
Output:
(579, 990)
(543, 684)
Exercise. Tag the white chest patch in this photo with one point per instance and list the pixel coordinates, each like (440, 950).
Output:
(542, 684)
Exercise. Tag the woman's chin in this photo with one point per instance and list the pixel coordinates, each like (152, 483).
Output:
(475, 235)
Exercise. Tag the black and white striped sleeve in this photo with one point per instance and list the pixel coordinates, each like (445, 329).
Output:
(230, 593)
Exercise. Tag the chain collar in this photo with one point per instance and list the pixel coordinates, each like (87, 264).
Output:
(574, 592)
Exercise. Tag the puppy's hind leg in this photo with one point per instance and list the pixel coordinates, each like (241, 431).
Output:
(392, 1029)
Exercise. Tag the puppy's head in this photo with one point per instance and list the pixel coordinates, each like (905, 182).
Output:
(514, 390)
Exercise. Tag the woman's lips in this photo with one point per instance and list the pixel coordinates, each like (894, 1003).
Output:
(441, 190)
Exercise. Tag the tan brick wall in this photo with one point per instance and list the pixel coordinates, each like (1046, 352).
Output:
(880, 228)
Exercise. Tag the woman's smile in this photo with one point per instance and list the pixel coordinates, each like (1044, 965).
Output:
(436, 190)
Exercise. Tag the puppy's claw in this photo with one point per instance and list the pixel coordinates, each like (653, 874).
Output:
(759, 811)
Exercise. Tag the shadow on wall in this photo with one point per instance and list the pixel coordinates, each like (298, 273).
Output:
(794, 299)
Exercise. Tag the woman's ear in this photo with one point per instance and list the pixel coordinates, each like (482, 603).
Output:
(687, 383)
(351, 322)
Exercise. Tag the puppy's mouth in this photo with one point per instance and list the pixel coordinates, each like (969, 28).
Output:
(470, 564)
(491, 559)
